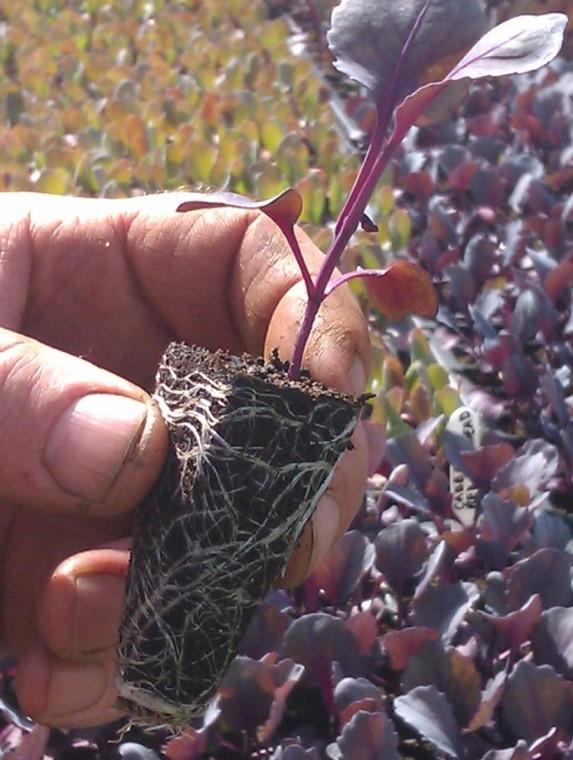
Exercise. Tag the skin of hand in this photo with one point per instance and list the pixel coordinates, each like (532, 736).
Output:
(91, 292)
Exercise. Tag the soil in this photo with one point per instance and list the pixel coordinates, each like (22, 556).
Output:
(250, 454)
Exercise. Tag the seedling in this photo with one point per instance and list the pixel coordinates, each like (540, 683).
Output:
(252, 450)
(402, 53)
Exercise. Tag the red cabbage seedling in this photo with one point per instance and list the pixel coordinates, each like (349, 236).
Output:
(252, 450)
(396, 49)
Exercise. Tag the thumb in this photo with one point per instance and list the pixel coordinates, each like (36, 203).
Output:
(73, 434)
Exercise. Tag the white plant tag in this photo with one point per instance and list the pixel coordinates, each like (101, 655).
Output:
(467, 422)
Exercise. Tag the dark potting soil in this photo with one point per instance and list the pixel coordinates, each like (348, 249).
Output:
(250, 454)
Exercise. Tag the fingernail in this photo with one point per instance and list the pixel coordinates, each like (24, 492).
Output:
(98, 608)
(90, 442)
(326, 521)
(357, 377)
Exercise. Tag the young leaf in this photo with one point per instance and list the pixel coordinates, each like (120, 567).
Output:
(369, 736)
(400, 551)
(428, 712)
(354, 694)
(454, 675)
(553, 640)
(403, 288)
(536, 698)
(284, 209)
(521, 44)
(388, 45)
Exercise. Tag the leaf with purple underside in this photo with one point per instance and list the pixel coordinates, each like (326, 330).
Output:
(521, 44)
(294, 752)
(403, 644)
(553, 640)
(389, 46)
(284, 209)
(536, 699)
(444, 607)
(547, 573)
(348, 561)
(428, 712)
(369, 736)
(401, 550)
(516, 627)
(490, 699)
(454, 675)
(318, 640)
(253, 693)
(519, 752)
(503, 526)
(352, 695)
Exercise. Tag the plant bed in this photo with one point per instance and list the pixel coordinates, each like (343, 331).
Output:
(251, 453)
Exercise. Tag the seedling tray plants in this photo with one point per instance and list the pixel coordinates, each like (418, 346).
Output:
(254, 443)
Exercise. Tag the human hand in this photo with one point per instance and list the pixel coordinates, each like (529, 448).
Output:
(113, 281)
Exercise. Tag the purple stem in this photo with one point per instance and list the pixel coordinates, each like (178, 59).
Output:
(358, 273)
(345, 232)
(289, 233)
(375, 162)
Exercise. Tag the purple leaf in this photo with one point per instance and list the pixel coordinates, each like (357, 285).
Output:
(524, 43)
(536, 699)
(363, 626)
(388, 47)
(265, 631)
(454, 675)
(251, 687)
(294, 752)
(521, 44)
(519, 752)
(482, 464)
(316, 641)
(428, 712)
(406, 449)
(553, 640)
(547, 573)
(516, 627)
(444, 607)
(353, 695)
(441, 560)
(532, 468)
(490, 699)
(550, 531)
(337, 577)
(402, 644)
(503, 527)
(401, 550)
(284, 209)
(533, 312)
(369, 736)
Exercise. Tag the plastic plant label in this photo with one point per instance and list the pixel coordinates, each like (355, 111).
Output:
(467, 423)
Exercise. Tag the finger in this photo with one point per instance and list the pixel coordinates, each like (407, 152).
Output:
(65, 694)
(81, 607)
(80, 437)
